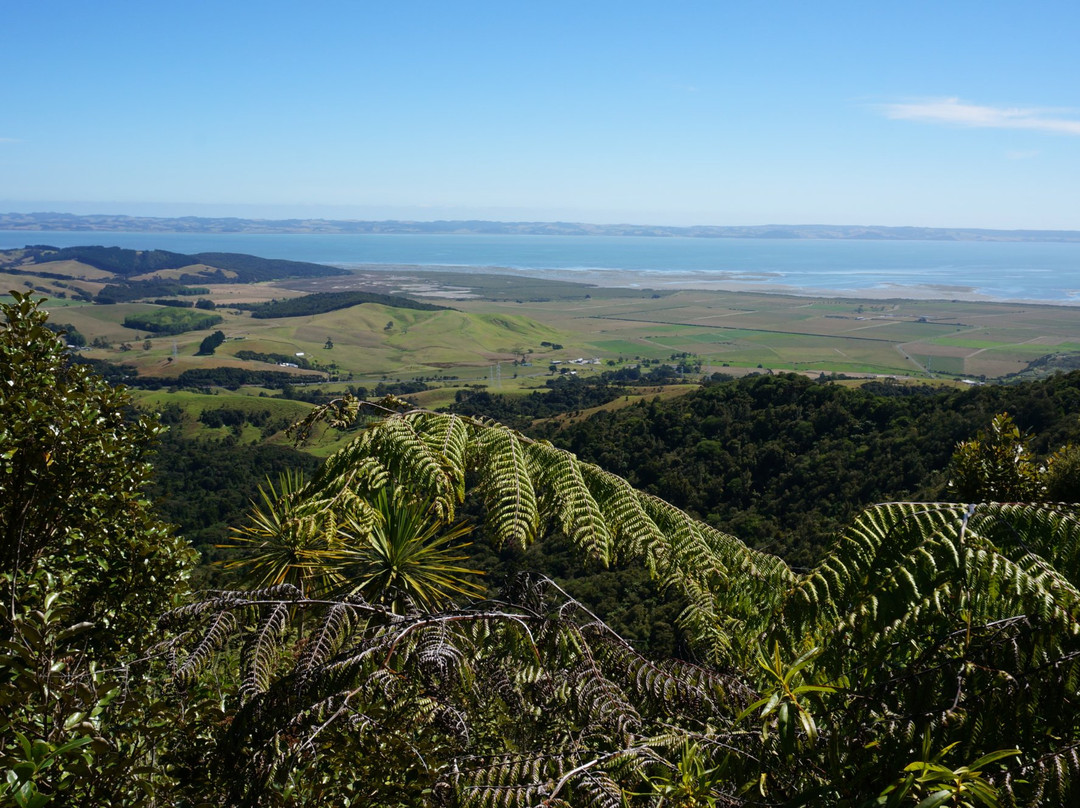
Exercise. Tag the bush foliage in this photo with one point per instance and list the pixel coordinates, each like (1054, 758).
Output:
(171, 321)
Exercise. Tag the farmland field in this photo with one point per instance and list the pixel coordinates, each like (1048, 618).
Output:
(525, 324)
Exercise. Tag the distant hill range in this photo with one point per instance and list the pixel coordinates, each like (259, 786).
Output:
(118, 275)
(212, 267)
(194, 224)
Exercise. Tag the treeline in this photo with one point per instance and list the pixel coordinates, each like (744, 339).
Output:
(171, 321)
(274, 358)
(252, 269)
(137, 290)
(564, 394)
(784, 462)
(201, 303)
(322, 302)
(660, 374)
(234, 417)
(72, 335)
(124, 262)
(235, 378)
(229, 378)
(321, 395)
(113, 259)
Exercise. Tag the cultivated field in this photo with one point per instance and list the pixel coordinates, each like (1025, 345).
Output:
(504, 326)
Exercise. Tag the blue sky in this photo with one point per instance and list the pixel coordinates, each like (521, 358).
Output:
(963, 114)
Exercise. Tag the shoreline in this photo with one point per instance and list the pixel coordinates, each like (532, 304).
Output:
(718, 281)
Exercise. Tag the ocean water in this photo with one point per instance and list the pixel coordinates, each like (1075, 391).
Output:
(1033, 271)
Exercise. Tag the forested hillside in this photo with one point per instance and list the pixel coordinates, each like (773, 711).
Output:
(784, 462)
(127, 263)
(321, 302)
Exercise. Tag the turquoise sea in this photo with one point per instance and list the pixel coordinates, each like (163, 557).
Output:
(1034, 271)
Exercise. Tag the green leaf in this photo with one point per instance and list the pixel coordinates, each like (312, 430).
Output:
(936, 799)
(986, 760)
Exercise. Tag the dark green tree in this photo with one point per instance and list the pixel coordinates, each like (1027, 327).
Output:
(73, 462)
(1062, 475)
(999, 464)
(85, 568)
(996, 466)
(210, 344)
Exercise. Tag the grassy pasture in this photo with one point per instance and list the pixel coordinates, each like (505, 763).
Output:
(507, 315)
(191, 269)
(73, 269)
(849, 335)
(195, 403)
(55, 287)
(324, 441)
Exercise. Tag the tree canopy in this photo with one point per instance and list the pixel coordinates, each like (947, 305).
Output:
(85, 569)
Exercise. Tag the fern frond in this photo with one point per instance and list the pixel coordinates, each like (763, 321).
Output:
(501, 462)
(412, 460)
(634, 534)
(559, 475)
(221, 627)
(260, 651)
(448, 437)
(326, 639)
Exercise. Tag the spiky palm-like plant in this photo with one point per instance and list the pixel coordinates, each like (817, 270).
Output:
(405, 558)
(285, 540)
(387, 547)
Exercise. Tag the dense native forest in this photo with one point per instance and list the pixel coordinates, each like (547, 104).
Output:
(130, 263)
(921, 651)
(321, 302)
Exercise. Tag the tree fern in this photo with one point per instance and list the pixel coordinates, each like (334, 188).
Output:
(929, 625)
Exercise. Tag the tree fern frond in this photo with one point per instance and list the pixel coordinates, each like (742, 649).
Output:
(1047, 531)
(326, 639)
(413, 461)
(559, 475)
(595, 789)
(215, 636)
(448, 437)
(507, 486)
(260, 651)
(634, 534)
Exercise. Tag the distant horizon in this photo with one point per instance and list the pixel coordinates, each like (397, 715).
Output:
(345, 213)
(55, 221)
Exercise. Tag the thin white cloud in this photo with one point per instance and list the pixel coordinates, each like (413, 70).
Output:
(1022, 154)
(954, 111)
(10, 140)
